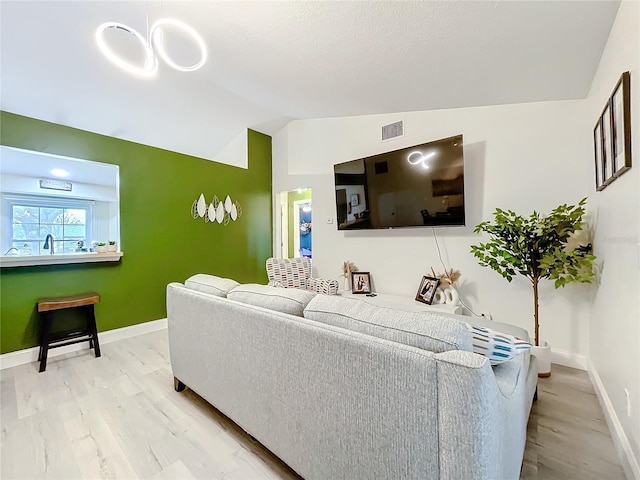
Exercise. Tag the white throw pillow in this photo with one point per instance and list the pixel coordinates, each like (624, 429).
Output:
(285, 300)
(496, 346)
(210, 284)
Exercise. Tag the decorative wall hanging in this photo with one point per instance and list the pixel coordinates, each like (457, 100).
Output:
(216, 211)
(612, 135)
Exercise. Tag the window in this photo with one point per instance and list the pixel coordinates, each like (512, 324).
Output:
(32, 218)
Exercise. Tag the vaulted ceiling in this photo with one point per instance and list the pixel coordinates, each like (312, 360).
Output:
(271, 62)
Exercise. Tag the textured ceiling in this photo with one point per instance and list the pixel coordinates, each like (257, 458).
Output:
(271, 62)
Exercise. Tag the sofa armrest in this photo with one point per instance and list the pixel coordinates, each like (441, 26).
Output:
(320, 285)
(482, 425)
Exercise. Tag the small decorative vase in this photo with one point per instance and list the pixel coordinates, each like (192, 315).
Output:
(439, 297)
(543, 356)
(347, 287)
(451, 296)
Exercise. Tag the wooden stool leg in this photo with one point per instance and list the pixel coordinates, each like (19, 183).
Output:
(44, 339)
(93, 329)
(40, 340)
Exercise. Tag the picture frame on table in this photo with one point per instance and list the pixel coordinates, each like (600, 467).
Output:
(360, 282)
(427, 289)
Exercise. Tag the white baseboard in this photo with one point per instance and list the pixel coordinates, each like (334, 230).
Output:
(620, 439)
(29, 355)
(568, 359)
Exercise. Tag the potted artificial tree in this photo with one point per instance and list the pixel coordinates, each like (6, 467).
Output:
(537, 247)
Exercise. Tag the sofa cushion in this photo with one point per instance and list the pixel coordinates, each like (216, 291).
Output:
(285, 300)
(498, 347)
(424, 330)
(210, 284)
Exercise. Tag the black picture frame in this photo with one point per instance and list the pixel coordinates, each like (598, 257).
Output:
(612, 135)
(427, 289)
(360, 282)
(598, 148)
(621, 125)
(607, 143)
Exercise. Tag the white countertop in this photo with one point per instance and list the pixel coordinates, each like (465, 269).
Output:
(58, 259)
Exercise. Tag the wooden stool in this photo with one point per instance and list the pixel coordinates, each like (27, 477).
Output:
(46, 307)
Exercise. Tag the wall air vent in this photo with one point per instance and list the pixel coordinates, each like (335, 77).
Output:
(393, 130)
(55, 184)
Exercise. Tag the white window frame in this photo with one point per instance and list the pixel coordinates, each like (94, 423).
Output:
(8, 201)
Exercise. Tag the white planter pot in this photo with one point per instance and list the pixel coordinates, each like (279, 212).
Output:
(100, 249)
(112, 248)
(543, 355)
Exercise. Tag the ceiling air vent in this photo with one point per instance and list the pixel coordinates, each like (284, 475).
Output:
(393, 130)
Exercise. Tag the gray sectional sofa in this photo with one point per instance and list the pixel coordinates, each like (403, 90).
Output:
(338, 389)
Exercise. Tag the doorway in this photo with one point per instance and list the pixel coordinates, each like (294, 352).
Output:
(294, 232)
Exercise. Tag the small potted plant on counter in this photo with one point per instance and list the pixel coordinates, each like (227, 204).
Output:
(112, 247)
(101, 247)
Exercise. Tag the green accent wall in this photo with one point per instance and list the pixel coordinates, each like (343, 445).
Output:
(294, 197)
(161, 241)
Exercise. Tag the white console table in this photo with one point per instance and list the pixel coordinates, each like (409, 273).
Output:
(406, 304)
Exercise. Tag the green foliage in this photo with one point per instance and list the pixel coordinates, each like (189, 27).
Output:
(536, 246)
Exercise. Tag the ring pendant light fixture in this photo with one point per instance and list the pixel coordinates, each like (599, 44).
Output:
(152, 47)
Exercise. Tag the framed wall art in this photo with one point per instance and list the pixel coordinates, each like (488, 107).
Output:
(599, 155)
(612, 135)
(621, 122)
(606, 140)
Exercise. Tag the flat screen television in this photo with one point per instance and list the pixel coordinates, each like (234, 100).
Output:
(422, 185)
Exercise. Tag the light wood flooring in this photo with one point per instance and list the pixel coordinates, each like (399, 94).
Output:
(119, 417)
(567, 436)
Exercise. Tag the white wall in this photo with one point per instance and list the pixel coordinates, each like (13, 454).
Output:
(615, 312)
(522, 157)
(236, 153)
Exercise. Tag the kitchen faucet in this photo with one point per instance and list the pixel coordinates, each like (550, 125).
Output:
(46, 243)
